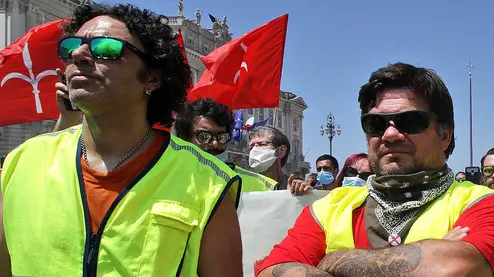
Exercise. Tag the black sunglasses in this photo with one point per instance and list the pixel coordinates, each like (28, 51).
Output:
(409, 122)
(353, 172)
(105, 48)
(206, 137)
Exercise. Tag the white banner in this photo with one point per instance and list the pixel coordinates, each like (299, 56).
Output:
(265, 218)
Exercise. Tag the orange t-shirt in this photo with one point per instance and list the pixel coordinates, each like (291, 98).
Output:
(102, 189)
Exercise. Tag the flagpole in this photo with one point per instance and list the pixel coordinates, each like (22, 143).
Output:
(6, 22)
(470, 66)
(274, 117)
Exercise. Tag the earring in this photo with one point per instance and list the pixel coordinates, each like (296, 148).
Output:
(147, 92)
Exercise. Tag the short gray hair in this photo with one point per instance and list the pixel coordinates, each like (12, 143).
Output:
(276, 136)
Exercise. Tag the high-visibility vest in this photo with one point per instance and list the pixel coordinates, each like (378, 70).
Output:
(335, 211)
(252, 181)
(154, 227)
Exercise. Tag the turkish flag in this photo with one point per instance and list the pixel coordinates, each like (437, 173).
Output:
(246, 72)
(28, 77)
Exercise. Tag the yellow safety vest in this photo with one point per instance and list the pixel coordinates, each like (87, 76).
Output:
(252, 181)
(335, 211)
(153, 228)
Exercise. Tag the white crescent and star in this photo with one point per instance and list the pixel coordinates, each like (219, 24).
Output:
(242, 65)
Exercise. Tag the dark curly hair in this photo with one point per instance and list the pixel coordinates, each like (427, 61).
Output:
(425, 82)
(163, 53)
(202, 107)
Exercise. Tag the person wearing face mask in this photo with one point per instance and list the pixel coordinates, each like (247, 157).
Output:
(327, 168)
(355, 171)
(207, 124)
(269, 149)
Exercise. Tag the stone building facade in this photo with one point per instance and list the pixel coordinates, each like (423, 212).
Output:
(17, 17)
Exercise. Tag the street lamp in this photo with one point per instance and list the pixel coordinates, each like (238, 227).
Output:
(331, 129)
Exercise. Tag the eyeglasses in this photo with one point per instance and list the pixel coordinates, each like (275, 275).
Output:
(487, 171)
(409, 122)
(459, 180)
(206, 137)
(353, 172)
(105, 48)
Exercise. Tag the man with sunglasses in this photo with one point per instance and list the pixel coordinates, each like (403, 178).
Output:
(115, 197)
(208, 124)
(460, 176)
(487, 165)
(412, 218)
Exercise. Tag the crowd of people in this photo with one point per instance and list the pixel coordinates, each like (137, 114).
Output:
(114, 196)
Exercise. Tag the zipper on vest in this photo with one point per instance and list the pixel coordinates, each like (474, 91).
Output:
(92, 257)
(93, 241)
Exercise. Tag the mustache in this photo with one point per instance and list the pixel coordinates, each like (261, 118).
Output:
(395, 147)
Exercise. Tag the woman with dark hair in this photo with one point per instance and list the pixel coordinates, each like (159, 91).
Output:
(355, 171)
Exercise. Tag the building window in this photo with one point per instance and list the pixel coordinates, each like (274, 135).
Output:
(280, 119)
(271, 113)
(250, 111)
(295, 124)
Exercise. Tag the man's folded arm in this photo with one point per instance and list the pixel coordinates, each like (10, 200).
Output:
(424, 258)
(472, 256)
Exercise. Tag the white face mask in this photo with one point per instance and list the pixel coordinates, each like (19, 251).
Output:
(223, 156)
(260, 159)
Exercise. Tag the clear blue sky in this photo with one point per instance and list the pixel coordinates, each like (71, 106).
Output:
(333, 46)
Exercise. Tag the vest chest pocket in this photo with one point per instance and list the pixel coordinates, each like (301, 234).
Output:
(171, 224)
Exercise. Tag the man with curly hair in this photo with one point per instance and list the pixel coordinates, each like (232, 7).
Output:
(208, 124)
(113, 196)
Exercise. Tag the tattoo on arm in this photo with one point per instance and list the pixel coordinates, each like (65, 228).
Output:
(389, 262)
(298, 270)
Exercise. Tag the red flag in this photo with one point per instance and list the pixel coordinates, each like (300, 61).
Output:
(28, 77)
(180, 42)
(246, 72)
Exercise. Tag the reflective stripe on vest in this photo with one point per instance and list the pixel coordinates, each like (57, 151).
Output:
(252, 181)
(334, 213)
(154, 227)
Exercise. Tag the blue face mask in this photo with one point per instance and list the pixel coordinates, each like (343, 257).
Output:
(325, 178)
(353, 182)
